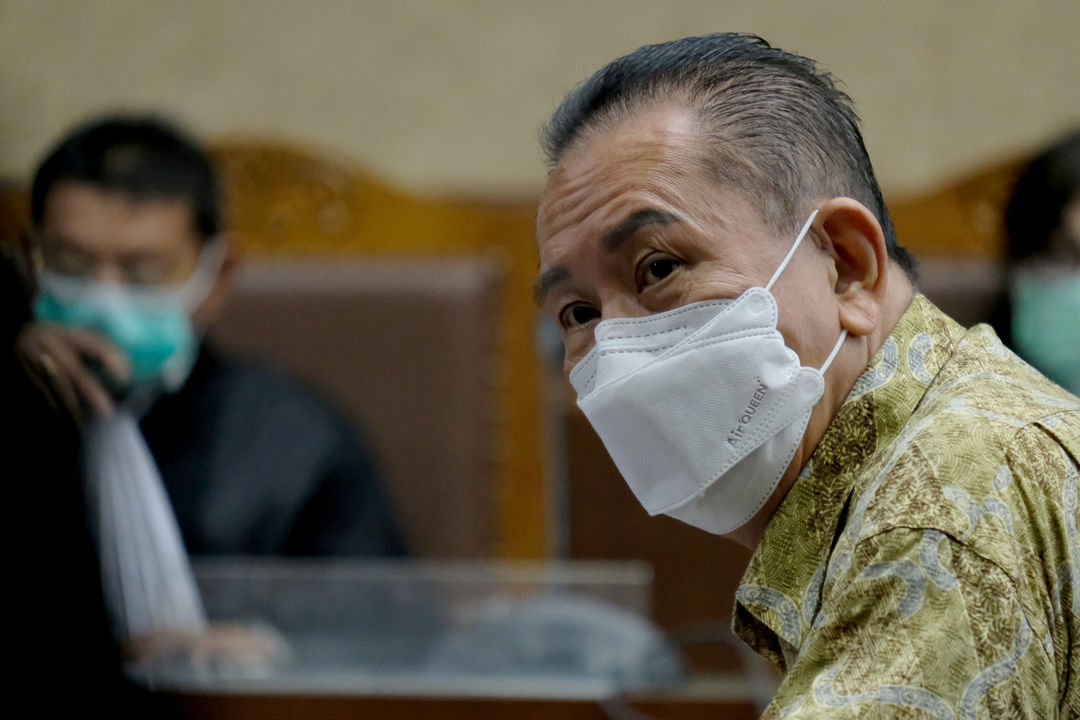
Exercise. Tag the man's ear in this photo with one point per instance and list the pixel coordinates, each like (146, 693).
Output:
(210, 308)
(852, 237)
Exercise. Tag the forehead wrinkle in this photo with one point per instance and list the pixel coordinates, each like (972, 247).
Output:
(623, 147)
(648, 173)
(574, 198)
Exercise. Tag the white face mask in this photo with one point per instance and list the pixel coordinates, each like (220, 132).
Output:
(701, 407)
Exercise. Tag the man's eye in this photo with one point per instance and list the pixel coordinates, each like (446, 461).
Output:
(578, 315)
(67, 262)
(657, 270)
(660, 269)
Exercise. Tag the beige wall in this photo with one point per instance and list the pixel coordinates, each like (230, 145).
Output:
(448, 96)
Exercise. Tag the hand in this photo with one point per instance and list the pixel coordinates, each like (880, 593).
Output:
(55, 357)
(221, 645)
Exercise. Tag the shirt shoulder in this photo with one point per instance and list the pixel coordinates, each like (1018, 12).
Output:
(988, 435)
(913, 622)
(988, 459)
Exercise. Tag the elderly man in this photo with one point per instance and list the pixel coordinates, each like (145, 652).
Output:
(745, 334)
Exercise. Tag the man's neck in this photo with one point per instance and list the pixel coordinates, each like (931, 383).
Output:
(846, 369)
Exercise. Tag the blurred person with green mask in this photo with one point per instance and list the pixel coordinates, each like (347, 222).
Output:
(186, 451)
(134, 267)
(1040, 318)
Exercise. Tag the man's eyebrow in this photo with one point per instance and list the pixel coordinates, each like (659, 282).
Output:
(547, 280)
(634, 222)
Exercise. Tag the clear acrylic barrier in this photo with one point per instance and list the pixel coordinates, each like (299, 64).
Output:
(568, 629)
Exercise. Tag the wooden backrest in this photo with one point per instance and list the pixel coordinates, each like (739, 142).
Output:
(299, 204)
(407, 348)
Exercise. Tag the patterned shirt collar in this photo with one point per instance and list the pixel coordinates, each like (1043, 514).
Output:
(778, 596)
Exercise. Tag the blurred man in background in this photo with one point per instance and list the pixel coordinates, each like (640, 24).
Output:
(134, 267)
(1040, 318)
(745, 334)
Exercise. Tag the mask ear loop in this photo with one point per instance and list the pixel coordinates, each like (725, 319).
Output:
(784, 264)
(835, 350)
(197, 287)
(791, 252)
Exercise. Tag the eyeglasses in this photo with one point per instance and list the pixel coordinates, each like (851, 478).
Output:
(134, 268)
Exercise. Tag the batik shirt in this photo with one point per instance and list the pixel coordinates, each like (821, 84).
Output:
(925, 563)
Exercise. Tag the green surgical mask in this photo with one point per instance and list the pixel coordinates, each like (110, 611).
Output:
(151, 326)
(1046, 324)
